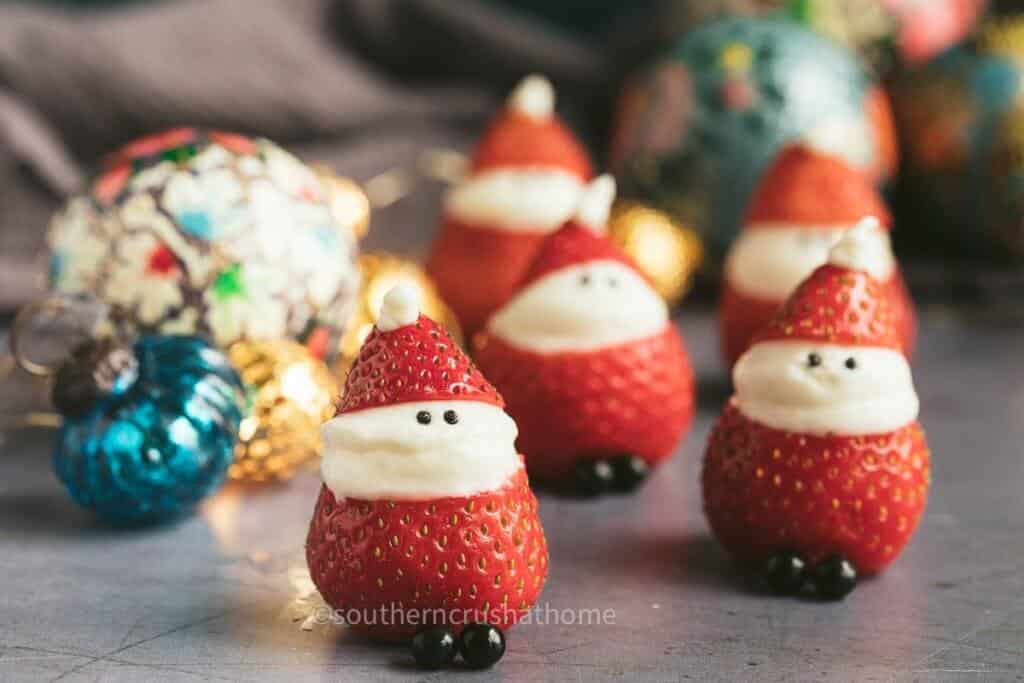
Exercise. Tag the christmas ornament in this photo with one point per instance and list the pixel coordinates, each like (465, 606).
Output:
(349, 203)
(668, 253)
(426, 514)
(525, 178)
(380, 273)
(290, 396)
(148, 429)
(595, 374)
(885, 32)
(819, 453)
(696, 129)
(211, 233)
(961, 120)
(801, 207)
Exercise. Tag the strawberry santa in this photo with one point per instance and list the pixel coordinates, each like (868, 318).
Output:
(595, 374)
(425, 515)
(525, 178)
(805, 201)
(818, 467)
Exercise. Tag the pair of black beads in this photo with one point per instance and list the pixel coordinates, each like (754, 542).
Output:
(481, 646)
(787, 573)
(597, 476)
(424, 417)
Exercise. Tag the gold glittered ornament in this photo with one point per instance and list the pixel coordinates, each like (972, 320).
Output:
(291, 394)
(349, 203)
(381, 271)
(667, 252)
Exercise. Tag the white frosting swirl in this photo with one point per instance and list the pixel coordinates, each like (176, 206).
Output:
(769, 260)
(532, 200)
(580, 308)
(596, 203)
(386, 453)
(401, 307)
(534, 96)
(777, 386)
(864, 247)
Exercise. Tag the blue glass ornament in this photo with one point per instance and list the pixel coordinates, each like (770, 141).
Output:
(159, 434)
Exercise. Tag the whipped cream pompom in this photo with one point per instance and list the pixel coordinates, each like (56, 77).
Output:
(596, 203)
(533, 97)
(863, 247)
(401, 307)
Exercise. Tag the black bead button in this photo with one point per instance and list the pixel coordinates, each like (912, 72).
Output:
(433, 647)
(481, 645)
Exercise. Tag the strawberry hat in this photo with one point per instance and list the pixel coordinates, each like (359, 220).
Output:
(409, 358)
(527, 134)
(806, 187)
(582, 238)
(842, 302)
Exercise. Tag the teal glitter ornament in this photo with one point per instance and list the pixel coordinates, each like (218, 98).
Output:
(149, 430)
(696, 128)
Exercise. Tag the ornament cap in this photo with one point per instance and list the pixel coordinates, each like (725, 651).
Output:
(533, 97)
(596, 204)
(94, 369)
(401, 307)
(862, 247)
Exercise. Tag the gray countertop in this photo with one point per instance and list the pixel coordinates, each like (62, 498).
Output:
(214, 597)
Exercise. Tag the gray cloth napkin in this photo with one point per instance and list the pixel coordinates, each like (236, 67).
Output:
(363, 84)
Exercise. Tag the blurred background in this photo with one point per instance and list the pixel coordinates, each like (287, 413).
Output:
(687, 117)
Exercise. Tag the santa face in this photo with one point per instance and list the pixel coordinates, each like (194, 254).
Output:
(768, 261)
(825, 389)
(419, 451)
(582, 307)
(516, 200)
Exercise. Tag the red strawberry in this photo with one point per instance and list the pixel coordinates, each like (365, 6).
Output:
(477, 268)
(443, 558)
(856, 495)
(767, 490)
(836, 305)
(741, 315)
(632, 399)
(804, 198)
(477, 263)
(449, 560)
(416, 362)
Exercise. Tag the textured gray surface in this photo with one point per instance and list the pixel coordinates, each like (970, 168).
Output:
(208, 598)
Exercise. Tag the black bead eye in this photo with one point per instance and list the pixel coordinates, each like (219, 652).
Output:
(851, 363)
(423, 417)
(451, 417)
(584, 279)
(813, 360)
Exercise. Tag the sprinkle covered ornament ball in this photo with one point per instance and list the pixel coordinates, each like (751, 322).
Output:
(525, 178)
(818, 466)
(210, 233)
(595, 374)
(426, 514)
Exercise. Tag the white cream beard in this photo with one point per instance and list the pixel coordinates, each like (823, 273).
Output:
(535, 200)
(581, 308)
(777, 387)
(770, 260)
(385, 453)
